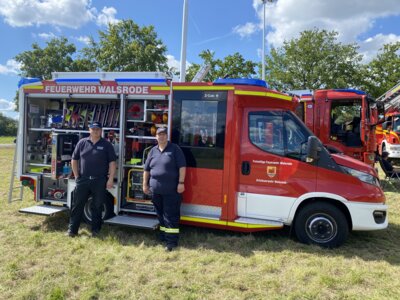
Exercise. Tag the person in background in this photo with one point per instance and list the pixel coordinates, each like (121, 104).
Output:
(388, 166)
(93, 165)
(164, 178)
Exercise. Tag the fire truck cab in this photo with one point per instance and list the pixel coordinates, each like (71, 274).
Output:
(252, 165)
(344, 120)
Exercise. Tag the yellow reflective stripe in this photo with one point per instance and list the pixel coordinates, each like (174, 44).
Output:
(171, 230)
(264, 94)
(33, 87)
(226, 223)
(162, 228)
(159, 88)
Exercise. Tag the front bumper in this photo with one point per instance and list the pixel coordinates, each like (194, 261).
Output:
(368, 216)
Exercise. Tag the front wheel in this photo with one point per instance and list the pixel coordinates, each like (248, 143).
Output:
(321, 224)
(107, 211)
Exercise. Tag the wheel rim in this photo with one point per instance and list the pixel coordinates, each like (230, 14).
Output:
(321, 228)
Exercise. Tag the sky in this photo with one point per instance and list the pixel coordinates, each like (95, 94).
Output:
(223, 26)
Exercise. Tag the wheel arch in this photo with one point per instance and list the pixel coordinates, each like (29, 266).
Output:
(335, 200)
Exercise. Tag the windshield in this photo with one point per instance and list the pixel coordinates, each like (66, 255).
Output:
(396, 123)
(346, 122)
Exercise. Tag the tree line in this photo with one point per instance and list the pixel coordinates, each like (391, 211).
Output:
(314, 60)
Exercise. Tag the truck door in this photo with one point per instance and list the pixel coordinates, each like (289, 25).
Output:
(273, 175)
(198, 127)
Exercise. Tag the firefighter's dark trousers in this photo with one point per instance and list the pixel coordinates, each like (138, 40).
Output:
(86, 186)
(168, 209)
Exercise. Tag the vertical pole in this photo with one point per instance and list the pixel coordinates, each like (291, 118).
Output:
(183, 43)
(263, 43)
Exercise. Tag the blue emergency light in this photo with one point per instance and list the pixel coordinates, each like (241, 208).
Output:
(23, 81)
(241, 81)
(358, 92)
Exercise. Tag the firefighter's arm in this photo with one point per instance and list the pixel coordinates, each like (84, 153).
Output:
(181, 184)
(146, 176)
(111, 173)
(75, 167)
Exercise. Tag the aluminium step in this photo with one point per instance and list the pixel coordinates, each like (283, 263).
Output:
(134, 221)
(44, 210)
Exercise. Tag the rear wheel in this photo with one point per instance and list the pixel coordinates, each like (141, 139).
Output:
(321, 224)
(107, 211)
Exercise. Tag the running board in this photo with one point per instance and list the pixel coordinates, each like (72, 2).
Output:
(244, 223)
(134, 221)
(43, 210)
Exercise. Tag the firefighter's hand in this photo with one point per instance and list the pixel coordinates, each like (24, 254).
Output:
(110, 183)
(146, 189)
(181, 188)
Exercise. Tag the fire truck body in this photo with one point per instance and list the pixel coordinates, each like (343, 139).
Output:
(344, 120)
(388, 133)
(251, 163)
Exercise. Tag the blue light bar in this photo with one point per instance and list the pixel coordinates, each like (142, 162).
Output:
(23, 81)
(77, 80)
(358, 92)
(241, 81)
(140, 80)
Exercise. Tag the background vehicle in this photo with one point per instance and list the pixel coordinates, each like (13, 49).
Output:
(252, 164)
(344, 120)
(388, 133)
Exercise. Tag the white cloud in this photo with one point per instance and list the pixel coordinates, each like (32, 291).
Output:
(6, 105)
(174, 64)
(64, 13)
(47, 36)
(285, 19)
(245, 30)
(12, 67)
(107, 16)
(83, 39)
(372, 45)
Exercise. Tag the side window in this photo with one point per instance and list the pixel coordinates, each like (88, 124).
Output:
(266, 131)
(296, 136)
(198, 127)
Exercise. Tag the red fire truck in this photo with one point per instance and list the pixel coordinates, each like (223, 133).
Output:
(252, 164)
(388, 133)
(344, 120)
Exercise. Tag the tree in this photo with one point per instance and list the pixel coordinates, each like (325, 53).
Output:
(314, 60)
(233, 66)
(57, 56)
(8, 126)
(127, 47)
(383, 72)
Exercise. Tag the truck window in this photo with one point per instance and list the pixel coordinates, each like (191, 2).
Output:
(266, 131)
(280, 133)
(346, 122)
(198, 127)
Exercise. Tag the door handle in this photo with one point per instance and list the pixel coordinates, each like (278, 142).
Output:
(245, 168)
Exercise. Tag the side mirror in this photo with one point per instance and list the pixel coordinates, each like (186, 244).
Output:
(313, 146)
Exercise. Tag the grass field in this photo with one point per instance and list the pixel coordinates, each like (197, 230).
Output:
(7, 139)
(38, 262)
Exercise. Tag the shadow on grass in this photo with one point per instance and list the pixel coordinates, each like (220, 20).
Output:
(379, 245)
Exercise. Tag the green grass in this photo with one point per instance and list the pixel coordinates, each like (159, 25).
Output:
(7, 139)
(38, 262)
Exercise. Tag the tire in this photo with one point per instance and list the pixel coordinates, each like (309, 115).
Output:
(321, 224)
(107, 212)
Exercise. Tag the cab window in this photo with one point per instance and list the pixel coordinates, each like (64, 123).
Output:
(279, 133)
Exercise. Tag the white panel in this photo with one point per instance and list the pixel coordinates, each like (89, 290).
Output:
(241, 204)
(268, 207)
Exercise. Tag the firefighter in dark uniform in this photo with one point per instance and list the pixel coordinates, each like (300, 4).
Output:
(163, 177)
(93, 165)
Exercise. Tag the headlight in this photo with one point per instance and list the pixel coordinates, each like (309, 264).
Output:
(367, 178)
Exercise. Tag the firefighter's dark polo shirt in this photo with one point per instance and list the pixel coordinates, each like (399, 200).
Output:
(94, 159)
(164, 168)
